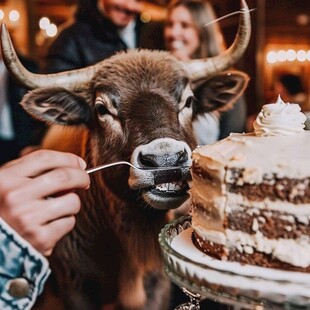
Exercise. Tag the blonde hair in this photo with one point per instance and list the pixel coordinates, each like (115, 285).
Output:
(211, 38)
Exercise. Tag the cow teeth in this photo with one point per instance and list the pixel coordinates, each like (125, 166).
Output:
(166, 187)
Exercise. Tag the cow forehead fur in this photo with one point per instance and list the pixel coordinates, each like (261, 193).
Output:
(141, 71)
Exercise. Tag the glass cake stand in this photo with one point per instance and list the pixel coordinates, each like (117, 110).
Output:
(242, 286)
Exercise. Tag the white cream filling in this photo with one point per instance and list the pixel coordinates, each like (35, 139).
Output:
(297, 210)
(210, 235)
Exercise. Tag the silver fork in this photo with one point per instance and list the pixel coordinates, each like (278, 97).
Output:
(91, 170)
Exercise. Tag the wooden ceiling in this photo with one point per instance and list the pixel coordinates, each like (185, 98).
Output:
(288, 21)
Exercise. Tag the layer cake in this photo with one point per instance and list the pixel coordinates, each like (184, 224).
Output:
(251, 193)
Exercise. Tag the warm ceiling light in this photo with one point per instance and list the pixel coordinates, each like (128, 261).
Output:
(291, 55)
(1, 14)
(302, 19)
(272, 57)
(288, 55)
(51, 30)
(281, 55)
(14, 16)
(146, 17)
(301, 55)
(44, 22)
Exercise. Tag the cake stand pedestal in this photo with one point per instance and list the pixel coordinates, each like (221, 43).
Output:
(221, 282)
(194, 301)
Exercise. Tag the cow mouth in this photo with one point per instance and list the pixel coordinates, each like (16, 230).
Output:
(166, 196)
(161, 189)
(170, 189)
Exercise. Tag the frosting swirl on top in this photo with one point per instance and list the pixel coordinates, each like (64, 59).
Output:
(279, 118)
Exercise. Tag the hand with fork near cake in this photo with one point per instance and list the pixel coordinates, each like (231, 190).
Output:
(38, 205)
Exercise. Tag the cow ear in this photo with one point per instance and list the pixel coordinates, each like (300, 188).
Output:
(221, 91)
(56, 106)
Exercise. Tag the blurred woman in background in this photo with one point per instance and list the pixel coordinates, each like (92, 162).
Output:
(188, 35)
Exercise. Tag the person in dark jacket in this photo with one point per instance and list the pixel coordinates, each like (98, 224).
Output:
(101, 28)
(18, 129)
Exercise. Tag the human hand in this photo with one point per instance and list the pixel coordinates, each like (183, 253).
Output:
(28, 149)
(25, 185)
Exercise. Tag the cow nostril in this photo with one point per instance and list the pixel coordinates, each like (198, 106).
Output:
(151, 160)
(147, 160)
(182, 158)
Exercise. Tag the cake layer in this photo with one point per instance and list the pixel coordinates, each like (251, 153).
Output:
(275, 219)
(284, 189)
(272, 224)
(254, 258)
(259, 157)
(293, 251)
(285, 236)
(271, 186)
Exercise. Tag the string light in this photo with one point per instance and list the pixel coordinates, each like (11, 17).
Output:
(49, 28)
(14, 16)
(301, 55)
(288, 55)
(291, 55)
(44, 22)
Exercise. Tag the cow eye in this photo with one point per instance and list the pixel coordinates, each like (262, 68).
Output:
(190, 101)
(101, 109)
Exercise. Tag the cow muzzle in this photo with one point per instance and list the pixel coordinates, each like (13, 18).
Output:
(162, 189)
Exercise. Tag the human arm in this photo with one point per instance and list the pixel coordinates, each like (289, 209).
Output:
(31, 225)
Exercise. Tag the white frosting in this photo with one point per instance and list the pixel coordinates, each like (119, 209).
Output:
(279, 118)
(211, 235)
(285, 156)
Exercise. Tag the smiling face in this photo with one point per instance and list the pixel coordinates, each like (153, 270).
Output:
(181, 35)
(121, 12)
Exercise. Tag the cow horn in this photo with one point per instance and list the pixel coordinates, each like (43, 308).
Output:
(200, 68)
(69, 80)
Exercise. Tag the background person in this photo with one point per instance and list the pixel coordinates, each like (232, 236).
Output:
(290, 87)
(187, 37)
(101, 28)
(18, 129)
(31, 224)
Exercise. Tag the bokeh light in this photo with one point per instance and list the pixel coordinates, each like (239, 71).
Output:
(44, 23)
(14, 16)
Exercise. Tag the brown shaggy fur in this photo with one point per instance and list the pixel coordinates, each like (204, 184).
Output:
(113, 254)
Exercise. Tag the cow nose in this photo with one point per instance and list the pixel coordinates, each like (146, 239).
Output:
(152, 160)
